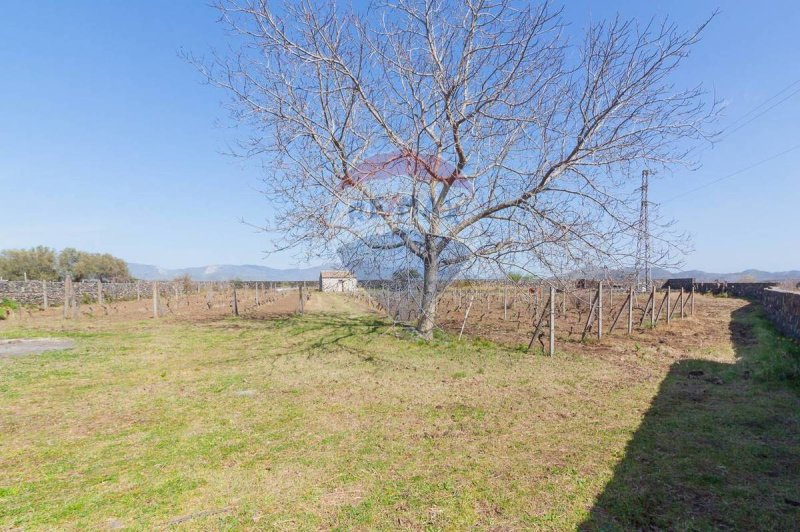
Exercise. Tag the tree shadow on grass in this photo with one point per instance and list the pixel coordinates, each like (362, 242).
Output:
(719, 447)
(321, 332)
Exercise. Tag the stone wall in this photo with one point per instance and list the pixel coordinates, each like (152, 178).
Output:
(678, 283)
(783, 308)
(748, 290)
(32, 292)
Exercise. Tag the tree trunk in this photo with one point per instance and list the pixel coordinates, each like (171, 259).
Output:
(430, 282)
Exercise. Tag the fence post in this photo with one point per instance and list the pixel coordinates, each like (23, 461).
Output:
(257, 284)
(235, 302)
(138, 290)
(552, 321)
(653, 309)
(65, 308)
(630, 312)
(45, 303)
(669, 297)
(600, 310)
(466, 315)
(682, 315)
(99, 292)
(155, 299)
(590, 317)
(302, 301)
(691, 309)
(505, 301)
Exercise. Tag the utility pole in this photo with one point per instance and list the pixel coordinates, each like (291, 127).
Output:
(644, 272)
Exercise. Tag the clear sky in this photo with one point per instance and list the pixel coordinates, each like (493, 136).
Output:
(110, 142)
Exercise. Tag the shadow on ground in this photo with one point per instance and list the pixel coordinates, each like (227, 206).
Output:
(719, 447)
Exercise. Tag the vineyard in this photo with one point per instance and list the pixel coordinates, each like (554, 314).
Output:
(522, 313)
(229, 421)
(519, 314)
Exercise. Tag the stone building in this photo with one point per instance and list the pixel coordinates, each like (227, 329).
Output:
(337, 281)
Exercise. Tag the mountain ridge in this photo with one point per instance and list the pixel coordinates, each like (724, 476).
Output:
(226, 272)
(255, 272)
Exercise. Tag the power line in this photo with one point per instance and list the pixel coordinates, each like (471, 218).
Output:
(762, 104)
(746, 118)
(740, 126)
(732, 174)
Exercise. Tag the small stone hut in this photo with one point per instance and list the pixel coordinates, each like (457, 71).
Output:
(337, 281)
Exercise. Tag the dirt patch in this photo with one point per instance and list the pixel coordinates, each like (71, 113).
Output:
(30, 346)
(638, 353)
(204, 307)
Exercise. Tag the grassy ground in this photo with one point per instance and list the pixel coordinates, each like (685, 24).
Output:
(338, 420)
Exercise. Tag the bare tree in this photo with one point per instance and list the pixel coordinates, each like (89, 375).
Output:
(457, 131)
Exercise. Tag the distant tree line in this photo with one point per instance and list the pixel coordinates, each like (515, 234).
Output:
(43, 263)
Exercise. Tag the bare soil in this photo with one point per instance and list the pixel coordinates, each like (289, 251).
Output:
(29, 346)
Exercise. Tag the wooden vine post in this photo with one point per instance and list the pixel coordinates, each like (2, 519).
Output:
(600, 310)
(466, 315)
(646, 309)
(155, 299)
(505, 301)
(552, 320)
(621, 310)
(302, 301)
(683, 315)
(669, 302)
(653, 308)
(67, 286)
(660, 308)
(590, 317)
(630, 311)
(550, 305)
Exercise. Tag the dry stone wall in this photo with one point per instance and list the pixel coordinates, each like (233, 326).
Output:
(32, 292)
(783, 308)
(748, 290)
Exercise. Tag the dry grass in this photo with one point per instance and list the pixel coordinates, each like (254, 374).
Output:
(336, 419)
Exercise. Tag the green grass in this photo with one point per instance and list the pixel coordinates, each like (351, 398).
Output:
(341, 421)
(719, 446)
(6, 307)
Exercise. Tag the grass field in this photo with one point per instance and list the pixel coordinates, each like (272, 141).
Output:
(336, 419)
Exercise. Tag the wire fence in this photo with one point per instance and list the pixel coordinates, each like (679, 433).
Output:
(154, 299)
(535, 314)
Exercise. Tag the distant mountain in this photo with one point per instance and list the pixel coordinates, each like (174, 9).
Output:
(746, 275)
(225, 272)
(252, 272)
(620, 274)
(699, 275)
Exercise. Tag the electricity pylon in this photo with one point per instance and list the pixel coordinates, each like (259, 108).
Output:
(644, 271)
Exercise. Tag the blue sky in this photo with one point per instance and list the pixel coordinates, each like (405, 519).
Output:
(110, 142)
